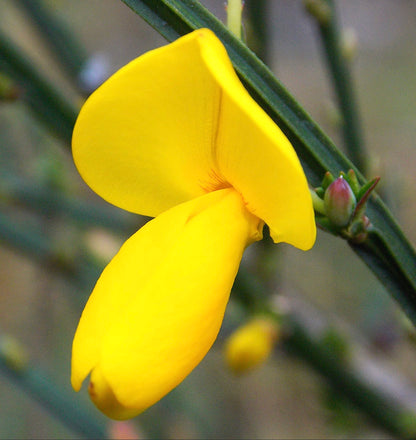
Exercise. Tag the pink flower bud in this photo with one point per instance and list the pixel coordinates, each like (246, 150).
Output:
(340, 202)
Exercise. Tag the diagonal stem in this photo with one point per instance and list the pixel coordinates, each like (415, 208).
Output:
(42, 97)
(329, 32)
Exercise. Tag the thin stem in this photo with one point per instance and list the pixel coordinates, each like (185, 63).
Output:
(46, 201)
(234, 12)
(42, 97)
(318, 203)
(329, 31)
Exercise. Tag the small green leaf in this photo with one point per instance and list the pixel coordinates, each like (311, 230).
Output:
(366, 190)
(327, 180)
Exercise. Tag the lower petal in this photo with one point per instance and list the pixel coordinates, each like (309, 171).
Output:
(158, 306)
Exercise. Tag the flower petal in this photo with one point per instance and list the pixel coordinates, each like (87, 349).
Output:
(176, 123)
(158, 306)
(143, 140)
(257, 159)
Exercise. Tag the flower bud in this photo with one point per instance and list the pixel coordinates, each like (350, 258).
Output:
(339, 202)
(250, 345)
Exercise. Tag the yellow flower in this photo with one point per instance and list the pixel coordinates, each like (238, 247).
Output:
(175, 135)
(251, 344)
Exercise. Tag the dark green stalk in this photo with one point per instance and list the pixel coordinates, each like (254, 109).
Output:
(329, 32)
(376, 253)
(61, 41)
(65, 408)
(43, 98)
(173, 18)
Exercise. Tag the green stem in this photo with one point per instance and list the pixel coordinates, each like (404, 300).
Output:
(65, 408)
(318, 203)
(234, 12)
(47, 201)
(376, 253)
(173, 18)
(42, 97)
(329, 32)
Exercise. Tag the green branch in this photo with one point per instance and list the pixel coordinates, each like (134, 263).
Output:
(173, 18)
(43, 98)
(234, 13)
(48, 201)
(328, 27)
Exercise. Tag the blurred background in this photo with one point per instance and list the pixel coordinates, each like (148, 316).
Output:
(56, 234)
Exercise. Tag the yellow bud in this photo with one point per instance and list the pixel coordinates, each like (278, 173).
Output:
(250, 345)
